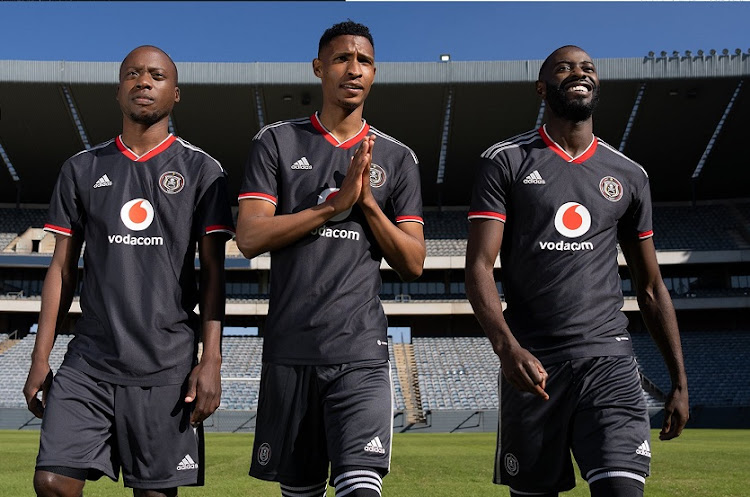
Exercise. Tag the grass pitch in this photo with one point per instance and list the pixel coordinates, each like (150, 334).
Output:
(701, 463)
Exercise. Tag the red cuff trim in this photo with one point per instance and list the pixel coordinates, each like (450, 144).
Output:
(259, 196)
(58, 229)
(412, 219)
(487, 215)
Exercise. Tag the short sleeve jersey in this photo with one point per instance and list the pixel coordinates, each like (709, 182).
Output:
(140, 218)
(563, 217)
(324, 306)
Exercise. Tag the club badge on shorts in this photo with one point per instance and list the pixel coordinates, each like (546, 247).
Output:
(171, 182)
(264, 454)
(511, 464)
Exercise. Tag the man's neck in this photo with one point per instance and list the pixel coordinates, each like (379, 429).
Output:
(342, 124)
(141, 138)
(573, 137)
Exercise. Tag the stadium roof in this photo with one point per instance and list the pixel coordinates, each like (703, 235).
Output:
(665, 112)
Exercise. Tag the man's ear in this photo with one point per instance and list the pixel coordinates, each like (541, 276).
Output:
(176, 94)
(317, 67)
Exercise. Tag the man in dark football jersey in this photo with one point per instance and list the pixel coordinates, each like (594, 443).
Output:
(555, 202)
(329, 202)
(131, 392)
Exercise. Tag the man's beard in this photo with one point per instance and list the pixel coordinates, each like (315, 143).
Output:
(572, 110)
(147, 119)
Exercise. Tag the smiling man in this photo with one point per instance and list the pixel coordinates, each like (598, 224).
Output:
(555, 202)
(329, 202)
(130, 393)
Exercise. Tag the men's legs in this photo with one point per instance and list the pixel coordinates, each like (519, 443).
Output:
(160, 450)
(48, 484)
(611, 431)
(617, 483)
(358, 410)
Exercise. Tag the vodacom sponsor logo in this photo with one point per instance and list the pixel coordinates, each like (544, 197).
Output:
(572, 220)
(136, 215)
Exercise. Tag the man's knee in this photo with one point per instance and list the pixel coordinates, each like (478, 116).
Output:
(48, 484)
(617, 483)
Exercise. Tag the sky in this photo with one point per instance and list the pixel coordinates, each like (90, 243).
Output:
(403, 31)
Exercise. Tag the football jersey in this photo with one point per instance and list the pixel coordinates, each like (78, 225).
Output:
(563, 217)
(140, 217)
(324, 306)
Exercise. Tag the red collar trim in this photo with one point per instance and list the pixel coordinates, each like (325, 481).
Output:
(583, 157)
(169, 140)
(346, 144)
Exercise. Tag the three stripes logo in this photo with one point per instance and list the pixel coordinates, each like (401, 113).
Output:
(375, 445)
(644, 449)
(302, 164)
(534, 179)
(102, 182)
(187, 463)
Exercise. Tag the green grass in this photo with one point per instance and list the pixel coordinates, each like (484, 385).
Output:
(701, 463)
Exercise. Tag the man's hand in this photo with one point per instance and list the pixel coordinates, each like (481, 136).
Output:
(204, 388)
(365, 195)
(352, 185)
(38, 380)
(676, 413)
(524, 371)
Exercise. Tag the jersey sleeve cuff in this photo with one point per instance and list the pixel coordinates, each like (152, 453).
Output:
(52, 228)
(219, 229)
(645, 234)
(487, 215)
(410, 219)
(258, 196)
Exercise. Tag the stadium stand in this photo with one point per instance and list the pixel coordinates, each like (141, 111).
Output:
(716, 362)
(456, 373)
(15, 363)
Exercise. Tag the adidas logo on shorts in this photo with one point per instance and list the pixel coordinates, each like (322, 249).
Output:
(644, 449)
(375, 445)
(187, 463)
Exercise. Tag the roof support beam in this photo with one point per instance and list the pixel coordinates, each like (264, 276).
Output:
(540, 116)
(259, 107)
(719, 126)
(444, 137)
(631, 119)
(76, 117)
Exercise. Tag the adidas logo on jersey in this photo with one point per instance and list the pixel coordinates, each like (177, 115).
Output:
(534, 179)
(302, 164)
(103, 181)
(187, 463)
(644, 449)
(375, 446)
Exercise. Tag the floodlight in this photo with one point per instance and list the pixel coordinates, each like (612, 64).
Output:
(737, 51)
(663, 53)
(688, 53)
(651, 54)
(675, 53)
(712, 52)
(725, 52)
(700, 53)
(445, 57)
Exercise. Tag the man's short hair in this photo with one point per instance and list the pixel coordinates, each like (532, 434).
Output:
(549, 59)
(347, 27)
(119, 73)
